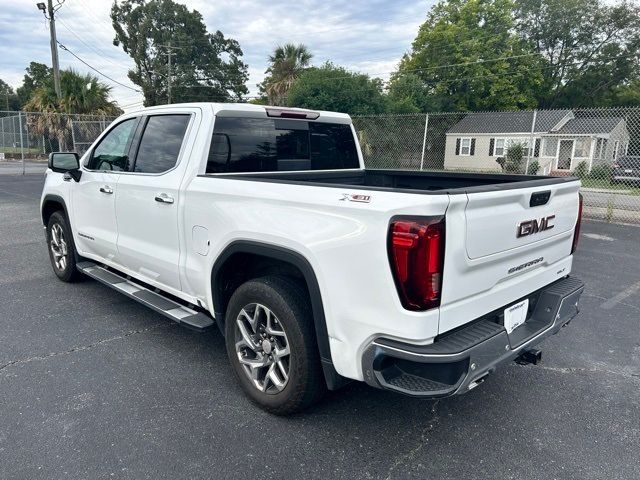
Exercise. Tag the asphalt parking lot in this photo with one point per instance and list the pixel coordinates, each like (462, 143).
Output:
(93, 385)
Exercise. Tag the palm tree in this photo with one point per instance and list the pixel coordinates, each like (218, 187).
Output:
(286, 64)
(81, 94)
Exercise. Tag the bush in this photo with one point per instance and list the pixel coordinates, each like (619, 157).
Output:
(581, 171)
(533, 168)
(512, 162)
(601, 172)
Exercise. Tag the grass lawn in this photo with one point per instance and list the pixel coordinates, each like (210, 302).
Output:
(33, 151)
(607, 185)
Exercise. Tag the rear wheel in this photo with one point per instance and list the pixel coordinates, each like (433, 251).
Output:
(271, 342)
(62, 251)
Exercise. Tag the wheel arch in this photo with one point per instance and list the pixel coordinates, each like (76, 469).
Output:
(50, 204)
(290, 262)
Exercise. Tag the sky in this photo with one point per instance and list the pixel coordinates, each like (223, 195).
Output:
(367, 36)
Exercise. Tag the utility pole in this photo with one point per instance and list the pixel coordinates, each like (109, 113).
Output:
(54, 41)
(168, 54)
(169, 74)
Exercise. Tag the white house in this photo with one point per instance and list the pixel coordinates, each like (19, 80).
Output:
(560, 140)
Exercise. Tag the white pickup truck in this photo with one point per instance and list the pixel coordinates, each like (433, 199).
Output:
(265, 222)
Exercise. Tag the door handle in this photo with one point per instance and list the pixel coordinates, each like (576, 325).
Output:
(106, 189)
(164, 198)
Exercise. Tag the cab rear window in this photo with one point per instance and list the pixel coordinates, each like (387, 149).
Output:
(241, 144)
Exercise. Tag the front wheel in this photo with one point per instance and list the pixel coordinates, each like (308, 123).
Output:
(271, 343)
(62, 252)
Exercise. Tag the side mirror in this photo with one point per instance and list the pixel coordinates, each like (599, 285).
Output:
(64, 161)
(67, 163)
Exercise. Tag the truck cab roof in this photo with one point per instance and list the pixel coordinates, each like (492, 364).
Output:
(251, 110)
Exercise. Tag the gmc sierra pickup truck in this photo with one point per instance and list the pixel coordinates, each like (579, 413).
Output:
(264, 222)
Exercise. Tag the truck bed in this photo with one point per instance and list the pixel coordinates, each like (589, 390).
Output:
(405, 181)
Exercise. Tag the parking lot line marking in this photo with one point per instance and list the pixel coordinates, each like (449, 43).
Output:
(596, 236)
(612, 302)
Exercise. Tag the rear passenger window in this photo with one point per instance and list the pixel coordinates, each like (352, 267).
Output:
(160, 143)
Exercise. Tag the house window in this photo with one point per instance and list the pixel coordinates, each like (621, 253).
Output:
(550, 147)
(597, 151)
(582, 147)
(601, 147)
(616, 146)
(465, 146)
(502, 146)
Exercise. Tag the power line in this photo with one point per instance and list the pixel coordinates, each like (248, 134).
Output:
(550, 67)
(490, 75)
(511, 72)
(98, 71)
(441, 50)
(132, 105)
(97, 50)
(90, 12)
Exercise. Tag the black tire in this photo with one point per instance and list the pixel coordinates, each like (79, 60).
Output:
(68, 273)
(289, 302)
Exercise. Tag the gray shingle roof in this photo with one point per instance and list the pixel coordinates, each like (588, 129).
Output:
(508, 122)
(578, 126)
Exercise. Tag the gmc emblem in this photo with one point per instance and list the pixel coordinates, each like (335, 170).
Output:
(529, 227)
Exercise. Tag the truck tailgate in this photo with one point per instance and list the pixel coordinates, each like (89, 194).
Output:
(503, 245)
(504, 220)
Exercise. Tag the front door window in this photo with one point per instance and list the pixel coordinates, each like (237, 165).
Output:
(111, 154)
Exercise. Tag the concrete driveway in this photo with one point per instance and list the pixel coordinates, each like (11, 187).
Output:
(93, 385)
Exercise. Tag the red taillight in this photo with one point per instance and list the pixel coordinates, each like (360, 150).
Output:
(576, 232)
(416, 253)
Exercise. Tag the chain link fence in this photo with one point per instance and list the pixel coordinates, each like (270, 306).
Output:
(600, 146)
(33, 135)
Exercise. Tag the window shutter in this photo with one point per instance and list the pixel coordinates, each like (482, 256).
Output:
(536, 148)
(472, 150)
(457, 146)
(491, 145)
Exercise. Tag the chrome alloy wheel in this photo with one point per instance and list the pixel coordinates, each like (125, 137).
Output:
(262, 348)
(58, 247)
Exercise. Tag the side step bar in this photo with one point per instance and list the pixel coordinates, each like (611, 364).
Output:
(177, 312)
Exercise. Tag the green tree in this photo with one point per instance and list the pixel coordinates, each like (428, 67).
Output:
(408, 93)
(205, 66)
(627, 94)
(468, 58)
(38, 75)
(81, 93)
(330, 87)
(589, 48)
(286, 64)
(8, 98)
